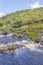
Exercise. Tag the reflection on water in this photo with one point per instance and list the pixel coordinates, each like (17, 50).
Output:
(22, 57)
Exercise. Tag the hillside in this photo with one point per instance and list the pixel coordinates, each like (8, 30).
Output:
(29, 22)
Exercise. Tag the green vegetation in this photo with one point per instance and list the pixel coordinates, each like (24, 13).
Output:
(33, 36)
(14, 35)
(19, 36)
(28, 21)
(4, 32)
(12, 47)
(12, 30)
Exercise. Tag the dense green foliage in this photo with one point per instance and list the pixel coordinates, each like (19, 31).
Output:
(34, 36)
(4, 32)
(26, 20)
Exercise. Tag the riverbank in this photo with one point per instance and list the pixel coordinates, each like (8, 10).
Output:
(20, 45)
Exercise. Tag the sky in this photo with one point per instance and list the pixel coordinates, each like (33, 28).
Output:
(9, 6)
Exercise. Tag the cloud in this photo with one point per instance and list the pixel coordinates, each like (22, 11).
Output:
(35, 5)
(2, 14)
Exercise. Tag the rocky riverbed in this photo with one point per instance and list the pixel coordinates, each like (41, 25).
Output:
(27, 52)
(30, 54)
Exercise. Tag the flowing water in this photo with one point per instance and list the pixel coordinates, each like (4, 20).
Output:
(22, 56)
(9, 38)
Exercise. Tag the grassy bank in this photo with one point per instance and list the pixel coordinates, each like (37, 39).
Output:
(28, 22)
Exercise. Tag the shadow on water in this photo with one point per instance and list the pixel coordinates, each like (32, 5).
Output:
(22, 57)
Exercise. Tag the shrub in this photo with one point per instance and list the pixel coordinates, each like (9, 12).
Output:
(19, 36)
(37, 40)
(4, 32)
(14, 35)
(12, 30)
(12, 47)
(33, 36)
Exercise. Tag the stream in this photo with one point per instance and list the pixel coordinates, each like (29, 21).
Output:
(23, 56)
